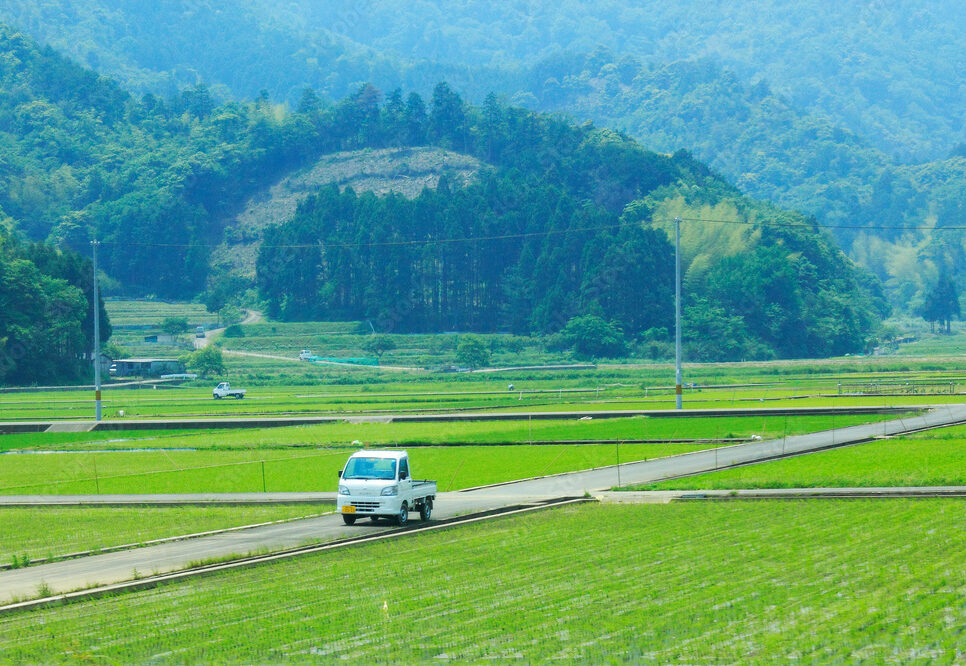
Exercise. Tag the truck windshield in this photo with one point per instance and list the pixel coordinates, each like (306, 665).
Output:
(370, 468)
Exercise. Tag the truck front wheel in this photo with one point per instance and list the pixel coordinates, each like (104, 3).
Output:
(403, 516)
(348, 520)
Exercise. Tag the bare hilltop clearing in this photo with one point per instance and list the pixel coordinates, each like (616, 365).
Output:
(405, 171)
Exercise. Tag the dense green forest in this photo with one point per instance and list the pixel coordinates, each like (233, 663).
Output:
(47, 327)
(818, 108)
(572, 222)
(154, 179)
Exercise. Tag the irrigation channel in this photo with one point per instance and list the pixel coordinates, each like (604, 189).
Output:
(111, 572)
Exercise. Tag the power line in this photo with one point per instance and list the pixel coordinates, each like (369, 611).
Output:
(535, 234)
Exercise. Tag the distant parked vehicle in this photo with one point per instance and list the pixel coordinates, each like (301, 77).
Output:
(112, 371)
(200, 332)
(224, 390)
(305, 355)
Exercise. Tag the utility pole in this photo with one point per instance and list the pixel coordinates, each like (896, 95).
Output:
(677, 313)
(97, 340)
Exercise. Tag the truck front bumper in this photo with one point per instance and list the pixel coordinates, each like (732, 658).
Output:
(360, 505)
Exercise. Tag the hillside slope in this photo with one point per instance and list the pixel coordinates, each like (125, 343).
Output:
(405, 171)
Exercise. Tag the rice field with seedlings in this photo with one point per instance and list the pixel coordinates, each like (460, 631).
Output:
(812, 581)
(525, 431)
(932, 458)
(305, 458)
(360, 392)
(29, 534)
(294, 470)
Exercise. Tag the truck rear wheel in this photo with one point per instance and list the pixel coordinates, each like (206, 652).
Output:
(348, 520)
(403, 516)
(425, 511)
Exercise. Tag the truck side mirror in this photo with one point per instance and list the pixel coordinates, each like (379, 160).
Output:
(403, 475)
(340, 473)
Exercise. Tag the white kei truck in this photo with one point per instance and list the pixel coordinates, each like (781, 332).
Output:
(224, 390)
(378, 484)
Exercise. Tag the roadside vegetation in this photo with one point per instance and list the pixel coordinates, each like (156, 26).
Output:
(735, 582)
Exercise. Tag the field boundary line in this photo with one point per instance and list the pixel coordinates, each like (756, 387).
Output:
(243, 562)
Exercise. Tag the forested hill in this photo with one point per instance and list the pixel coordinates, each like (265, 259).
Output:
(572, 221)
(567, 220)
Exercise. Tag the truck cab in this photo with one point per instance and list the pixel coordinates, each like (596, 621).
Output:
(379, 484)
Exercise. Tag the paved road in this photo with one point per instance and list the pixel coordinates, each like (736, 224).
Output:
(114, 567)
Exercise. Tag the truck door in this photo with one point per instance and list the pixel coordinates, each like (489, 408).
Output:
(405, 479)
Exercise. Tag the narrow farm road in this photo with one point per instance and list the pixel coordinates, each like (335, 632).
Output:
(126, 565)
(251, 317)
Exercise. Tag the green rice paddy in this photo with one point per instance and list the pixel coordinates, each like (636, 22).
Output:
(922, 460)
(811, 581)
(31, 533)
(293, 470)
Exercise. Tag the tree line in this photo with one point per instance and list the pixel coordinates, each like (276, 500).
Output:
(47, 327)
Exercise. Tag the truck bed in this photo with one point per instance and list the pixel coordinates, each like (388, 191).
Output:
(424, 488)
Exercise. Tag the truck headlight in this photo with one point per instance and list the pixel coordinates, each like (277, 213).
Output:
(389, 490)
(344, 490)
